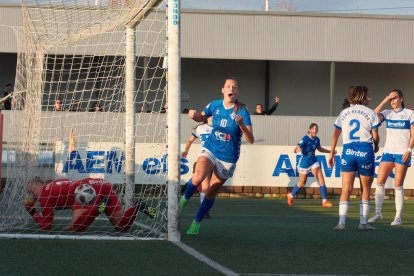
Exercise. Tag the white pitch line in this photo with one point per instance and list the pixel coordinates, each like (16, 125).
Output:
(264, 216)
(205, 259)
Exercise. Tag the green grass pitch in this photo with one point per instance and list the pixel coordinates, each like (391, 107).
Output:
(248, 236)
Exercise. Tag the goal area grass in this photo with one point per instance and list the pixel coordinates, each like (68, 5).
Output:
(247, 236)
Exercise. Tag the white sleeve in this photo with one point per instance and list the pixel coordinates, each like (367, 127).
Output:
(412, 117)
(384, 114)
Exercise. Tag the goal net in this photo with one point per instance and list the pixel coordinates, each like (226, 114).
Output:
(88, 102)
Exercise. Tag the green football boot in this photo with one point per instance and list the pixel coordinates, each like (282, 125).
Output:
(193, 229)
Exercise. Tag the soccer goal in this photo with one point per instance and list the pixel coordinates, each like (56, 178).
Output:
(89, 101)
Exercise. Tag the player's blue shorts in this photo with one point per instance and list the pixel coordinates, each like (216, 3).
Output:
(358, 157)
(395, 158)
(307, 163)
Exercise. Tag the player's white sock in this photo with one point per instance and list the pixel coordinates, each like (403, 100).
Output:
(379, 198)
(343, 211)
(399, 201)
(363, 211)
(202, 196)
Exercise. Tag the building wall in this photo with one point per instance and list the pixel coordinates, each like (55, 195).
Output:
(202, 80)
(380, 79)
(7, 69)
(303, 87)
(271, 36)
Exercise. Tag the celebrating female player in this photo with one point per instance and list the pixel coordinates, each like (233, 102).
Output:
(219, 155)
(358, 125)
(201, 131)
(397, 151)
(308, 162)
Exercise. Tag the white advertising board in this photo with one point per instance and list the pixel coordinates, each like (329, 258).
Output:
(259, 165)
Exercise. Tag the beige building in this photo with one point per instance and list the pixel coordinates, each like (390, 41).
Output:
(308, 60)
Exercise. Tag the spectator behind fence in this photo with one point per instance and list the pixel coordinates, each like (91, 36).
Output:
(260, 110)
(75, 107)
(7, 97)
(96, 108)
(145, 109)
(164, 108)
(58, 105)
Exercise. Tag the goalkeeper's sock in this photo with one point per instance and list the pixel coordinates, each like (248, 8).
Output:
(203, 210)
(322, 189)
(295, 190)
(190, 188)
(127, 220)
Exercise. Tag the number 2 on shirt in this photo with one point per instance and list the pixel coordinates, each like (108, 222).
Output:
(355, 125)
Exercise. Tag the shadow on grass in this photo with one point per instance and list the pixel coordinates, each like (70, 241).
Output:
(265, 236)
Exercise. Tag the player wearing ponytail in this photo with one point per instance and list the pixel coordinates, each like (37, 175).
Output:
(359, 127)
(220, 152)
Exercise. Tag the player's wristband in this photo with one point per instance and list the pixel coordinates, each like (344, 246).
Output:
(410, 149)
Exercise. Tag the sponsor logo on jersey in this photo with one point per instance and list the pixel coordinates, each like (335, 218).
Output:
(94, 181)
(222, 136)
(356, 153)
(397, 124)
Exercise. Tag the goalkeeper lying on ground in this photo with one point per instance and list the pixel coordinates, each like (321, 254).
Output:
(87, 198)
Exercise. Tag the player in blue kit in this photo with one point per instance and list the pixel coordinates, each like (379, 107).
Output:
(396, 155)
(308, 163)
(358, 125)
(220, 152)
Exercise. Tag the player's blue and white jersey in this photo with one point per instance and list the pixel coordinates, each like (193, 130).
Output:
(356, 123)
(225, 139)
(308, 147)
(203, 132)
(398, 126)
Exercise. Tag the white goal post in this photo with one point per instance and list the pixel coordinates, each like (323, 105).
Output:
(112, 65)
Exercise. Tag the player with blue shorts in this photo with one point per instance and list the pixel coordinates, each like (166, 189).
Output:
(201, 131)
(308, 163)
(359, 127)
(219, 155)
(399, 122)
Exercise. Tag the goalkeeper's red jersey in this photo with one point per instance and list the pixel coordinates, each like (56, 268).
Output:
(59, 195)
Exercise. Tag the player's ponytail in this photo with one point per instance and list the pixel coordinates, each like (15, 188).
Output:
(238, 106)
